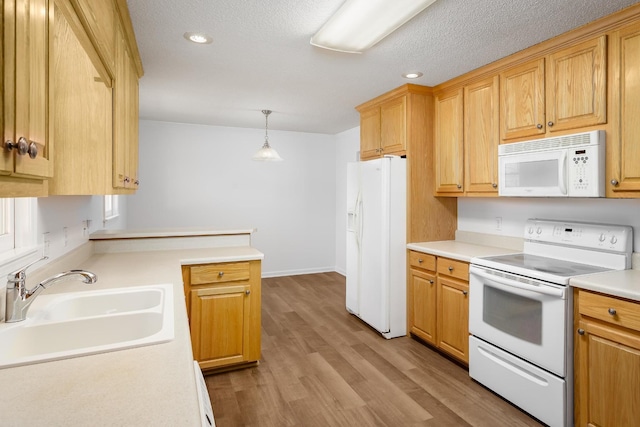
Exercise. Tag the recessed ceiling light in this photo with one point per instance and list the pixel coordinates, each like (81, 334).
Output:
(413, 75)
(200, 38)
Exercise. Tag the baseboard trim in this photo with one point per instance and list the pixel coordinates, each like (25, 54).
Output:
(268, 274)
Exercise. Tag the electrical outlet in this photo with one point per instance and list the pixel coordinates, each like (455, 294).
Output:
(65, 233)
(499, 223)
(46, 242)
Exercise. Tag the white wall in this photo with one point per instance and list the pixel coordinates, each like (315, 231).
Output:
(347, 147)
(479, 215)
(203, 176)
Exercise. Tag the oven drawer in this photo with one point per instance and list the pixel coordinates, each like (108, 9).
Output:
(610, 309)
(453, 268)
(422, 260)
(535, 390)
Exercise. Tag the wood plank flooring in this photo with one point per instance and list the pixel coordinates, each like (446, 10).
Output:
(322, 366)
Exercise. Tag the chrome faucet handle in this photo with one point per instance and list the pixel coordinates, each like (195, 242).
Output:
(20, 274)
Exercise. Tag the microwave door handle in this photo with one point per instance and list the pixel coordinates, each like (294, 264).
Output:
(503, 281)
(562, 179)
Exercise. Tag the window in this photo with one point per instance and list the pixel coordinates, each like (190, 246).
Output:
(110, 207)
(17, 226)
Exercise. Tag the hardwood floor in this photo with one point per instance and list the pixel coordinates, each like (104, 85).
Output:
(322, 366)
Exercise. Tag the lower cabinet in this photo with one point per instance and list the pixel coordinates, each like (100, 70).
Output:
(223, 305)
(607, 361)
(438, 303)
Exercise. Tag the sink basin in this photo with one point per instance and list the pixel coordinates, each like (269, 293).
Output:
(82, 323)
(99, 303)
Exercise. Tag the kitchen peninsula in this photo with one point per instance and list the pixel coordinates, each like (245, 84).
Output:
(133, 386)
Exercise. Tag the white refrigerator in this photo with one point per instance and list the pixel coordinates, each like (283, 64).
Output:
(376, 244)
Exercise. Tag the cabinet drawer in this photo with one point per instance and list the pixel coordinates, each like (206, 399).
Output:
(453, 268)
(610, 309)
(421, 260)
(220, 273)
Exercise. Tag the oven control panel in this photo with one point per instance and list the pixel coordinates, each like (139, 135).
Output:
(615, 238)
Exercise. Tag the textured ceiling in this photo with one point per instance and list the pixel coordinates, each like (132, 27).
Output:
(261, 58)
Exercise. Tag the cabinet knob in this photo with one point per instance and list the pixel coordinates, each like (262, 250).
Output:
(431, 282)
(614, 182)
(248, 291)
(127, 179)
(549, 123)
(220, 274)
(612, 311)
(9, 145)
(539, 126)
(420, 261)
(450, 269)
(465, 293)
(33, 150)
(494, 185)
(136, 182)
(459, 186)
(580, 331)
(23, 146)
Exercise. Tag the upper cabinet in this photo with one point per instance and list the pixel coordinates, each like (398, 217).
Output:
(466, 140)
(96, 100)
(383, 128)
(449, 160)
(623, 145)
(27, 144)
(564, 90)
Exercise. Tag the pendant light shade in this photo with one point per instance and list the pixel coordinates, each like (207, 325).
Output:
(266, 153)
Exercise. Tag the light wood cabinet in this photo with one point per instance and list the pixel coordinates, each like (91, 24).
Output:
(95, 115)
(99, 19)
(383, 129)
(481, 137)
(623, 146)
(607, 361)
(125, 122)
(421, 296)
(26, 98)
(564, 90)
(438, 303)
(449, 143)
(223, 306)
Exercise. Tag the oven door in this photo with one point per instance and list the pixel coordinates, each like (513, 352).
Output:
(525, 317)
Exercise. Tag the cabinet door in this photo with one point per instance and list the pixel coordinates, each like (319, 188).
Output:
(453, 318)
(220, 325)
(623, 148)
(393, 116)
(26, 61)
(577, 86)
(522, 101)
(481, 136)
(449, 143)
(370, 133)
(422, 309)
(608, 376)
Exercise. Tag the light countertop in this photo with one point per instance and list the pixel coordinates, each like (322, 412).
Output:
(164, 232)
(143, 386)
(458, 250)
(621, 283)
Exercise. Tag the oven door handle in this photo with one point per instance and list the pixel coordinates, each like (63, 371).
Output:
(546, 290)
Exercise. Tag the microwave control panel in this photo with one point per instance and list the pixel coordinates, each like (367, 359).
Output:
(586, 171)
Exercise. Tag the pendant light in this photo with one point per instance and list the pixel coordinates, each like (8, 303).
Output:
(266, 153)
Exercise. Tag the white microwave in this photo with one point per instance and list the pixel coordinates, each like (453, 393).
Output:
(563, 166)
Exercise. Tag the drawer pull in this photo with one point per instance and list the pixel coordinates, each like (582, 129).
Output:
(247, 291)
(220, 274)
(450, 269)
(420, 261)
(612, 311)
(464, 293)
(580, 331)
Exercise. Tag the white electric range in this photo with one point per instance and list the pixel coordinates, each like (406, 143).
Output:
(520, 312)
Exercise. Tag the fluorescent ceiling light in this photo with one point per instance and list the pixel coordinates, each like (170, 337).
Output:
(360, 24)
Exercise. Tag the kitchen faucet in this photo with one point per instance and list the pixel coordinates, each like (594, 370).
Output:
(19, 298)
